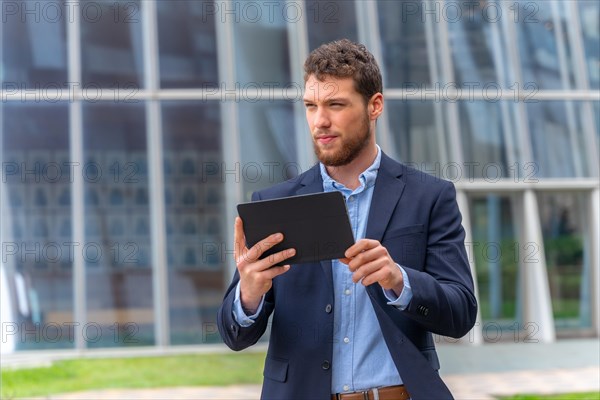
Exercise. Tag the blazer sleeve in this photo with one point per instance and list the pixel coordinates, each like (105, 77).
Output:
(443, 295)
(234, 335)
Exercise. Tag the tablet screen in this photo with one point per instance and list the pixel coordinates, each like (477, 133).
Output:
(316, 225)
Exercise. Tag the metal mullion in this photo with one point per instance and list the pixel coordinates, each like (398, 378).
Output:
(581, 78)
(160, 277)
(564, 68)
(452, 110)
(268, 93)
(582, 184)
(298, 47)
(371, 36)
(76, 154)
(230, 143)
(475, 336)
(434, 70)
(521, 121)
(594, 232)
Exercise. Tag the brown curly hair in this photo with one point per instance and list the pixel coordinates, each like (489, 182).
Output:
(343, 59)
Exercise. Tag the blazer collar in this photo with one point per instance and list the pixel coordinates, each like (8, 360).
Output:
(311, 181)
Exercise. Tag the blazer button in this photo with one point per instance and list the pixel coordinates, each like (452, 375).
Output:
(326, 365)
(328, 308)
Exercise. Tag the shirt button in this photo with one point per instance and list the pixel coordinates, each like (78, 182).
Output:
(351, 198)
(346, 388)
(347, 291)
(346, 340)
(326, 365)
(328, 308)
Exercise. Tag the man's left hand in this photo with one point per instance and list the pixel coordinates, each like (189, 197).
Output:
(370, 262)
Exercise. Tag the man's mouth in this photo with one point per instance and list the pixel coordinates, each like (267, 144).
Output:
(326, 139)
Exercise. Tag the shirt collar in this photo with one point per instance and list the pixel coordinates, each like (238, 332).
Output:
(366, 178)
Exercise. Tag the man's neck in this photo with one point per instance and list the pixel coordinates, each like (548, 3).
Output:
(348, 174)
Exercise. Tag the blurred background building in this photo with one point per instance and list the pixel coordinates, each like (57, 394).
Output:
(131, 129)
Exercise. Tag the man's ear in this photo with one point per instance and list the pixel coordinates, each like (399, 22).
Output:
(375, 106)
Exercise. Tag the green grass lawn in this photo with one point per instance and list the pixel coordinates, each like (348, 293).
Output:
(168, 371)
(570, 396)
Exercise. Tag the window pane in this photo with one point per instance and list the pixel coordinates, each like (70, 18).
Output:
(195, 206)
(471, 42)
(117, 224)
(417, 132)
(543, 44)
(406, 60)
(589, 10)
(188, 54)
(557, 139)
(34, 50)
(330, 20)
(489, 147)
(268, 141)
(37, 244)
(111, 44)
(261, 43)
(496, 251)
(567, 248)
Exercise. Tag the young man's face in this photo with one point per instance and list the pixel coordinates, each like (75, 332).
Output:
(338, 119)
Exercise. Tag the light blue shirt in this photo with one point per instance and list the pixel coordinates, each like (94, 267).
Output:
(361, 359)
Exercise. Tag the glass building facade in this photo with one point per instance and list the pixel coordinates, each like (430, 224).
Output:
(131, 129)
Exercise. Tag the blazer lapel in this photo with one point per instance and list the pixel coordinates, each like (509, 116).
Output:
(387, 192)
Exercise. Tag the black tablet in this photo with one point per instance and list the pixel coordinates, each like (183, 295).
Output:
(316, 225)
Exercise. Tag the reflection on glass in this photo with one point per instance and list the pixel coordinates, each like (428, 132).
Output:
(117, 224)
(416, 135)
(111, 44)
(589, 13)
(330, 20)
(543, 44)
(34, 50)
(471, 42)
(261, 44)
(489, 148)
(566, 245)
(194, 197)
(557, 139)
(188, 54)
(37, 250)
(496, 253)
(269, 143)
(406, 60)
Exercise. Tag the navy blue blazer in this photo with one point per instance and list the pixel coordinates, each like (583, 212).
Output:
(416, 217)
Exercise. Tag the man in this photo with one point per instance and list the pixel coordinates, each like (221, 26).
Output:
(360, 327)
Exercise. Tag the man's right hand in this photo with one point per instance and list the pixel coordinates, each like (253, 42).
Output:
(256, 276)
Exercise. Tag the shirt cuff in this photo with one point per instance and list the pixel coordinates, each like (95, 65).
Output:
(402, 301)
(238, 312)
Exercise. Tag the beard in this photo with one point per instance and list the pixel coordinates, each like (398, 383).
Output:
(350, 147)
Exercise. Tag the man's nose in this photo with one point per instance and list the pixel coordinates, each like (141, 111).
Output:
(321, 119)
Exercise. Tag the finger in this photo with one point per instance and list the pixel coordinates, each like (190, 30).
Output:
(377, 276)
(259, 248)
(276, 271)
(360, 246)
(386, 278)
(368, 269)
(345, 260)
(239, 239)
(366, 257)
(276, 258)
